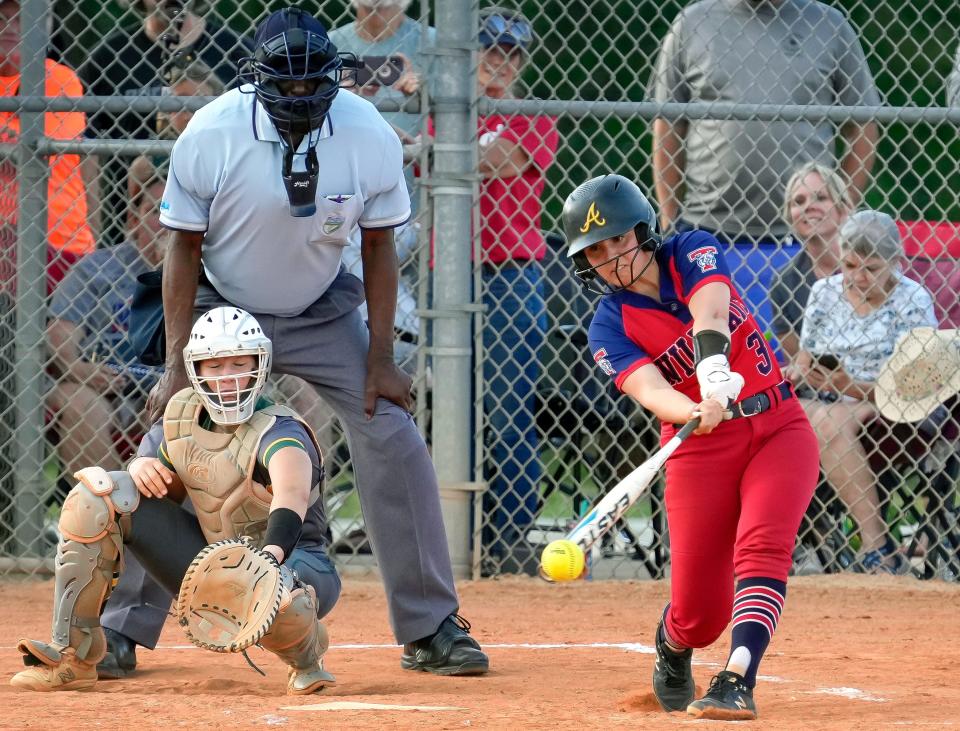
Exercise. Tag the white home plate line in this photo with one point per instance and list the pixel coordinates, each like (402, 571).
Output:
(355, 706)
(843, 692)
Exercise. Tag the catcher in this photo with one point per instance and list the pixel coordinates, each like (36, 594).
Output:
(251, 469)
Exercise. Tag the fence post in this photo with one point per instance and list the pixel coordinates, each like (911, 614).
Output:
(29, 485)
(452, 184)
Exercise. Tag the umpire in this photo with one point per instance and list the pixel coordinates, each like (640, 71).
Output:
(265, 186)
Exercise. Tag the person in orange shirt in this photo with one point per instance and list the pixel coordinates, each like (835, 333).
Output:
(68, 234)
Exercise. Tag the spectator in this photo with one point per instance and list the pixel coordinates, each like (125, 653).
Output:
(515, 152)
(68, 234)
(194, 79)
(728, 176)
(138, 61)
(816, 204)
(953, 82)
(856, 317)
(382, 28)
(101, 389)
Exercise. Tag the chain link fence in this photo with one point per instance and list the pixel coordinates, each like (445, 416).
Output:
(711, 107)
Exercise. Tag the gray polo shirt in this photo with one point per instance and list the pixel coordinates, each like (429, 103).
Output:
(225, 179)
(408, 40)
(800, 52)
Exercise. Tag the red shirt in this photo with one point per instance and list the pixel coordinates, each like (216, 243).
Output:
(510, 208)
(630, 330)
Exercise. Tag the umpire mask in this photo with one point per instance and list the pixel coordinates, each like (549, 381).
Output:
(295, 73)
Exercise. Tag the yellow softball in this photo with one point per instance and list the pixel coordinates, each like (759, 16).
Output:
(562, 561)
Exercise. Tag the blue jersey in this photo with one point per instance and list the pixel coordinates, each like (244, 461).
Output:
(630, 330)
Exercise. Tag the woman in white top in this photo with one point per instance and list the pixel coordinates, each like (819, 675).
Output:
(850, 325)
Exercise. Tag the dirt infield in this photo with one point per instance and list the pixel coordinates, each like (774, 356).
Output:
(850, 653)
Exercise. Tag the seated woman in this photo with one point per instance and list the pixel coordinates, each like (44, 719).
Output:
(816, 204)
(250, 468)
(850, 325)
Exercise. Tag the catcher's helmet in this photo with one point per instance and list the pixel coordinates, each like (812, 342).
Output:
(291, 46)
(225, 332)
(604, 207)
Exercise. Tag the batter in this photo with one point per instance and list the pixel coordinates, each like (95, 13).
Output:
(674, 334)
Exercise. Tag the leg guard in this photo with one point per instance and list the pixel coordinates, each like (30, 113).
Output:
(299, 638)
(88, 555)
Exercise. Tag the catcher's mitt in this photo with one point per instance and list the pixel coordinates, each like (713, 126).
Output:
(230, 596)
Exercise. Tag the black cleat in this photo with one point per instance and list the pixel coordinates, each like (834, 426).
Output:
(672, 676)
(121, 657)
(727, 699)
(451, 651)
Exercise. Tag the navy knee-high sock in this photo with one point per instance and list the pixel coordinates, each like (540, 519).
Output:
(757, 605)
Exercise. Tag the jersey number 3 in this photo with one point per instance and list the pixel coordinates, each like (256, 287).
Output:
(758, 345)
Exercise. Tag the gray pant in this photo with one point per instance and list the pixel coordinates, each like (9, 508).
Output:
(138, 605)
(327, 347)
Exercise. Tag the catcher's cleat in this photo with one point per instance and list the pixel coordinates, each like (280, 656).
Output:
(311, 680)
(121, 657)
(672, 676)
(68, 674)
(727, 699)
(450, 651)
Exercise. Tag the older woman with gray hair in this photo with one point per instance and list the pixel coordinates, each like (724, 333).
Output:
(850, 325)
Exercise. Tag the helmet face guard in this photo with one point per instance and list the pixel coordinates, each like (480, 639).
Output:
(294, 54)
(591, 279)
(602, 208)
(228, 332)
(293, 47)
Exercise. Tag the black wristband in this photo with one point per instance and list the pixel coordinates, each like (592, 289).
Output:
(283, 529)
(709, 342)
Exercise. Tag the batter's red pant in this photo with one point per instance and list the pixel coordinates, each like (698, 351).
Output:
(734, 498)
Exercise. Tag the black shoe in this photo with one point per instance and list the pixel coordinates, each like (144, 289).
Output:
(672, 676)
(121, 657)
(451, 651)
(727, 699)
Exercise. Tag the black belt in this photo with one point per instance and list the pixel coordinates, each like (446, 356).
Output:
(762, 401)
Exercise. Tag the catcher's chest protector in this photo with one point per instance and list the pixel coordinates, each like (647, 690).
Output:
(217, 469)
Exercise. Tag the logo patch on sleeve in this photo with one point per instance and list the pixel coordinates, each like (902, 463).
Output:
(600, 357)
(705, 257)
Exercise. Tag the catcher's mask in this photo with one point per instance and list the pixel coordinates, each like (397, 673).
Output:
(227, 332)
(602, 208)
(292, 46)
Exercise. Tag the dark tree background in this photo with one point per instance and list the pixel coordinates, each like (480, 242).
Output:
(604, 49)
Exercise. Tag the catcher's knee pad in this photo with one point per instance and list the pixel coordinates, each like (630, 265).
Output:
(88, 554)
(297, 636)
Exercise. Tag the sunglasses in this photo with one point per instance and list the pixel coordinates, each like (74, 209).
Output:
(497, 29)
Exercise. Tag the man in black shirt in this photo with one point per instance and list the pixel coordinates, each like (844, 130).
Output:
(133, 61)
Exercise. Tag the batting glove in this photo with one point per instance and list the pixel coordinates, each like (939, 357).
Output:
(717, 381)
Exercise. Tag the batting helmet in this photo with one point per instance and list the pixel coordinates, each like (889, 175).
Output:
(293, 46)
(604, 207)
